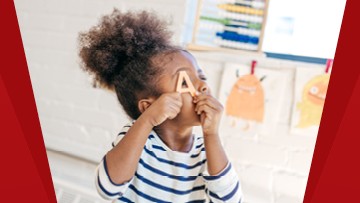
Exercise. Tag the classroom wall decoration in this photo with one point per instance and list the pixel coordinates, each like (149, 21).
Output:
(312, 101)
(230, 24)
(246, 99)
(310, 92)
(252, 97)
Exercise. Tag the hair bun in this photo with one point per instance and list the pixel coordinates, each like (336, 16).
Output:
(120, 38)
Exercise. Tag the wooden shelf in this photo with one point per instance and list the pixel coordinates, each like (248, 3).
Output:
(201, 48)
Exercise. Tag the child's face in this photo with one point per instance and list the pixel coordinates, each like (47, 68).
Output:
(172, 64)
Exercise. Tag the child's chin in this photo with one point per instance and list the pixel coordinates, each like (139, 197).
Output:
(195, 121)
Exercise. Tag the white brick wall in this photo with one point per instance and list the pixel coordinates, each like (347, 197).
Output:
(82, 121)
(273, 166)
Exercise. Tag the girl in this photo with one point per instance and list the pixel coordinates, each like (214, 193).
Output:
(157, 158)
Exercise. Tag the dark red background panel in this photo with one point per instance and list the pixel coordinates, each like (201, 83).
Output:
(25, 174)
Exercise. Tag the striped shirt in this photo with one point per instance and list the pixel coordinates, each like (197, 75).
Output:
(164, 175)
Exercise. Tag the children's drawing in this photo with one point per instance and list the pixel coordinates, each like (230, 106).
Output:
(246, 99)
(310, 92)
(313, 99)
(252, 102)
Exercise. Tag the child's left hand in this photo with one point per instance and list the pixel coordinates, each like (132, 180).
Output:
(210, 111)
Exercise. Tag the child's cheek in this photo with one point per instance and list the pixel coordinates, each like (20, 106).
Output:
(188, 103)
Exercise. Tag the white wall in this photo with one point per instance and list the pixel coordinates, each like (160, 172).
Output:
(81, 122)
(273, 167)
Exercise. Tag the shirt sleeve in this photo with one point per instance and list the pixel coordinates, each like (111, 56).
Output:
(223, 187)
(104, 185)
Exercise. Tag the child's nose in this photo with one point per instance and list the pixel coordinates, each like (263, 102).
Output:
(204, 88)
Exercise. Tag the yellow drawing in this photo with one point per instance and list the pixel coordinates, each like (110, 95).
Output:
(246, 100)
(312, 103)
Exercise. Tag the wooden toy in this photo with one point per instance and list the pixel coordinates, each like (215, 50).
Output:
(184, 84)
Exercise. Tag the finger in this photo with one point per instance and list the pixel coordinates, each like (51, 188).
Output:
(176, 98)
(205, 120)
(173, 112)
(176, 95)
(177, 104)
(202, 118)
(205, 108)
(206, 102)
(170, 100)
(175, 107)
(212, 102)
(172, 96)
(199, 97)
(205, 97)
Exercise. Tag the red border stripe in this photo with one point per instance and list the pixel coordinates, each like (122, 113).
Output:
(27, 157)
(330, 153)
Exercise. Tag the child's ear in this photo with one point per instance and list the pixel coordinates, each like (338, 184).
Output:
(143, 104)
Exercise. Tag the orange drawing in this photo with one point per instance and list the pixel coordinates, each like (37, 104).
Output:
(246, 100)
(313, 99)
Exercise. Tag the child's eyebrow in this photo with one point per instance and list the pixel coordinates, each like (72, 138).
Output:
(201, 72)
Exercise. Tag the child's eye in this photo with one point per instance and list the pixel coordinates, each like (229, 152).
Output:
(202, 77)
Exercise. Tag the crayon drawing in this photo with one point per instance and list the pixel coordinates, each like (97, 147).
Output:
(246, 99)
(311, 87)
(252, 102)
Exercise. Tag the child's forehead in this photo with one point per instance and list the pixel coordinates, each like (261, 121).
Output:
(178, 60)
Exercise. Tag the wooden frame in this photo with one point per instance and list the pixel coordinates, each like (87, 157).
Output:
(195, 46)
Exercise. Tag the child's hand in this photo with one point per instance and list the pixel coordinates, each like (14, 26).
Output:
(167, 106)
(210, 111)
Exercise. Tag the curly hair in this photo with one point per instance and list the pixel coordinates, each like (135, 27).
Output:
(118, 52)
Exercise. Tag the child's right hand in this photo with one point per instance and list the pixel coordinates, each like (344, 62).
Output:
(167, 106)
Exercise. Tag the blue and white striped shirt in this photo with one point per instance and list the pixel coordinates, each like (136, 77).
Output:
(164, 175)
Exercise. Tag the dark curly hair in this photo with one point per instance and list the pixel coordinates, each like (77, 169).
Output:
(118, 52)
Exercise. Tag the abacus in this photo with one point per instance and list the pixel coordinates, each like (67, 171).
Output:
(229, 25)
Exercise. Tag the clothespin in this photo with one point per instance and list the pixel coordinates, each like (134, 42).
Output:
(329, 64)
(253, 65)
